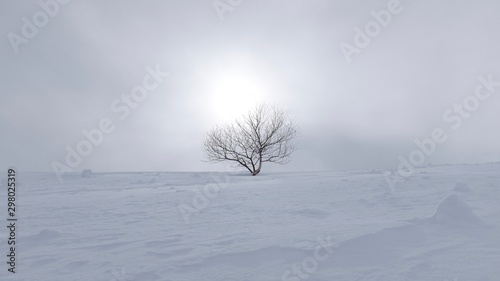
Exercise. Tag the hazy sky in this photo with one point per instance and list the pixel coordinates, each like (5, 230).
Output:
(69, 67)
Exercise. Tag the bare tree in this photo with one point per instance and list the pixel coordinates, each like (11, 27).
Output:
(265, 134)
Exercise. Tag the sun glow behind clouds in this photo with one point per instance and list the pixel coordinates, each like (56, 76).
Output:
(233, 85)
(234, 93)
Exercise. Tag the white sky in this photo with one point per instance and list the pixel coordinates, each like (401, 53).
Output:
(358, 115)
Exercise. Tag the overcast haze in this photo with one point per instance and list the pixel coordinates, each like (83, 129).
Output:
(357, 115)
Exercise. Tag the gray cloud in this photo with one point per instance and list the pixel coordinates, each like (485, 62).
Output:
(360, 115)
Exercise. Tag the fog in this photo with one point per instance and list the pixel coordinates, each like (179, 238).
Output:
(363, 80)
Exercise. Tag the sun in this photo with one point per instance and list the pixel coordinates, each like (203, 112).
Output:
(234, 94)
(233, 86)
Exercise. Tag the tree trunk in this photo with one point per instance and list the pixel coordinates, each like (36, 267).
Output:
(255, 172)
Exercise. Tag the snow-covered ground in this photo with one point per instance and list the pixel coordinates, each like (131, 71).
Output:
(442, 224)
